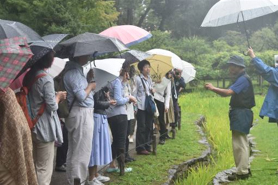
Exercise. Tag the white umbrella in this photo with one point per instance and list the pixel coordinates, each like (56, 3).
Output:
(233, 11)
(176, 60)
(57, 67)
(105, 70)
(188, 71)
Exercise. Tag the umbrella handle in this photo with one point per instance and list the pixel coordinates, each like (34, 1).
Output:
(244, 54)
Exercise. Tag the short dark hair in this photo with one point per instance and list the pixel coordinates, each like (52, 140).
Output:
(125, 69)
(142, 64)
(44, 62)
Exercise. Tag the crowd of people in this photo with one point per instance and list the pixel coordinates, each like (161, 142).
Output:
(98, 127)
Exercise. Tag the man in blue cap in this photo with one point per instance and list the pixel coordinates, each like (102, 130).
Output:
(241, 115)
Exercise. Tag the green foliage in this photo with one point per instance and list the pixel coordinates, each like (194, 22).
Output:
(59, 16)
(158, 40)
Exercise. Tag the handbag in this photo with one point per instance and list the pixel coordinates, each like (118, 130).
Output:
(150, 106)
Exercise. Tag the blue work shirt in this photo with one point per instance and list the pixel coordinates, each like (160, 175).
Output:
(241, 85)
(270, 74)
(75, 84)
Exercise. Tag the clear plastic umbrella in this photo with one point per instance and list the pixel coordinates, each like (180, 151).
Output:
(226, 12)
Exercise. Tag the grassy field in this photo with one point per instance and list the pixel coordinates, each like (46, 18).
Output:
(154, 169)
(215, 109)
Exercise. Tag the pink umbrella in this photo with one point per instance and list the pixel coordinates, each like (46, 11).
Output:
(128, 34)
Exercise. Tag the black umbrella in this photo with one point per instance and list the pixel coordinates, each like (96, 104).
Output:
(41, 48)
(88, 44)
(133, 56)
(10, 29)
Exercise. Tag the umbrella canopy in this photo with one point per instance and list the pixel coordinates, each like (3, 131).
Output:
(14, 53)
(232, 11)
(57, 67)
(188, 72)
(41, 48)
(133, 56)
(88, 44)
(160, 65)
(128, 34)
(105, 71)
(10, 29)
(176, 60)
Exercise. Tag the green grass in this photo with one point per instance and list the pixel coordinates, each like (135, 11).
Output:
(154, 169)
(215, 109)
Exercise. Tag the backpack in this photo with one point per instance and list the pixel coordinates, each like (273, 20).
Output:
(63, 108)
(23, 100)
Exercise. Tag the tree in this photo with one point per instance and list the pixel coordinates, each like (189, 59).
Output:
(59, 16)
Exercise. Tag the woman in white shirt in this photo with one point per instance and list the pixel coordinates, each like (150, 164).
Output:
(162, 99)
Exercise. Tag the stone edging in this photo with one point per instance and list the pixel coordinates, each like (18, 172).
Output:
(182, 169)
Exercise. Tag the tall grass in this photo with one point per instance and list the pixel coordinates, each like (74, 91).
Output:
(215, 109)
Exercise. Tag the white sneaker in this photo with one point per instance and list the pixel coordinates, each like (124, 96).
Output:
(94, 182)
(102, 178)
(131, 139)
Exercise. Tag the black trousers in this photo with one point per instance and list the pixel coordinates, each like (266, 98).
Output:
(132, 126)
(118, 126)
(144, 130)
(161, 108)
(62, 150)
(127, 140)
(176, 110)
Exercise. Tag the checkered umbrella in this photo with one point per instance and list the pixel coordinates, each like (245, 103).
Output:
(14, 53)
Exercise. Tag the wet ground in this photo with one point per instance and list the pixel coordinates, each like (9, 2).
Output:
(59, 178)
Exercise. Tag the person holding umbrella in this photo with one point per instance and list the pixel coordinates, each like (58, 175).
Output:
(80, 122)
(241, 115)
(16, 157)
(270, 74)
(47, 129)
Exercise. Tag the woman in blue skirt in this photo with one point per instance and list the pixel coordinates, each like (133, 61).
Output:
(101, 149)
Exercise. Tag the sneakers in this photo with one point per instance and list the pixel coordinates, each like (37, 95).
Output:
(234, 177)
(161, 142)
(94, 182)
(60, 168)
(129, 159)
(143, 152)
(101, 178)
(131, 139)
(167, 137)
(110, 170)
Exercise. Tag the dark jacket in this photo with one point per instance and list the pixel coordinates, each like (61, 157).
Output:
(245, 99)
(101, 102)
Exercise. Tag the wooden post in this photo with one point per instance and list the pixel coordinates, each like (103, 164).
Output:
(154, 144)
(173, 133)
(179, 118)
(77, 181)
(224, 85)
